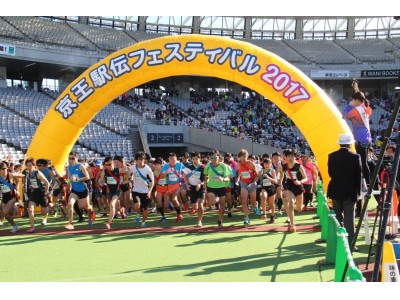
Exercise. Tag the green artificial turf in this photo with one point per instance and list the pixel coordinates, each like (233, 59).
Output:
(167, 257)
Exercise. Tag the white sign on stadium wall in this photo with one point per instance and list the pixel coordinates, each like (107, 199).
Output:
(7, 49)
(330, 74)
(380, 73)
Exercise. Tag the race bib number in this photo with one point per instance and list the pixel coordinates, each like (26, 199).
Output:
(246, 175)
(5, 189)
(162, 181)
(34, 183)
(196, 175)
(111, 180)
(172, 177)
(266, 182)
(294, 174)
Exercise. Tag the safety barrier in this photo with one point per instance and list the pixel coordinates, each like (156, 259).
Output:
(337, 245)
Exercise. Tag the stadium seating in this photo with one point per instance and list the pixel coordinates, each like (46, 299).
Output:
(105, 38)
(19, 130)
(321, 51)
(368, 50)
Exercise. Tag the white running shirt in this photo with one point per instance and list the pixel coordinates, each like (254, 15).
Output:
(139, 184)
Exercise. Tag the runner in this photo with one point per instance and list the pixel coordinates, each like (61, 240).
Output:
(161, 189)
(37, 189)
(8, 187)
(111, 177)
(312, 176)
(76, 175)
(143, 181)
(255, 160)
(292, 182)
(97, 197)
(124, 200)
(173, 171)
(231, 192)
(216, 177)
(268, 189)
(59, 194)
(194, 180)
(276, 162)
(184, 191)
(43, 166)
(247, 177)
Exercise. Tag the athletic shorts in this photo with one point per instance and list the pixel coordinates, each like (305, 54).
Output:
(111, 195)
(104, 191)
(250, 189)
(183, 186)
(56, 192)
(124, 187)
(295, 189)
(81, 195)
(162, 189)
(144, 200)
(97, 193)
(173, 187)
(271, 190)
(307, 188)
(218, 192)
(37, 196)
(194, 195)
(6, 198)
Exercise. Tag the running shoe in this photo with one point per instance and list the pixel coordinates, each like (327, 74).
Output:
(90, 222)
(255, 210)
(179, 218)
(279, 212)
(116, 216)
(170, 206)
(163, 220)
(258, 212)
(220, 223)
(263, 217)
(199, 224)
(246, 222)
(31, 230)
(143, 224)
(104, 215)
(192, 212)
(123, 216)
(137, 218)
(14, 229)
(108, 226)
(185, 207)
(154, 209)
(311, 204)
(272, 220)
(44, 222)
(229, 214)
(69, 226)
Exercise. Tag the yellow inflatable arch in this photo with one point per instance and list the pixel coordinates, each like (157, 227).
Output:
(293, 92)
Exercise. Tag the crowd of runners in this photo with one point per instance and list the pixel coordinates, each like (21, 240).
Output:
(114, 188)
